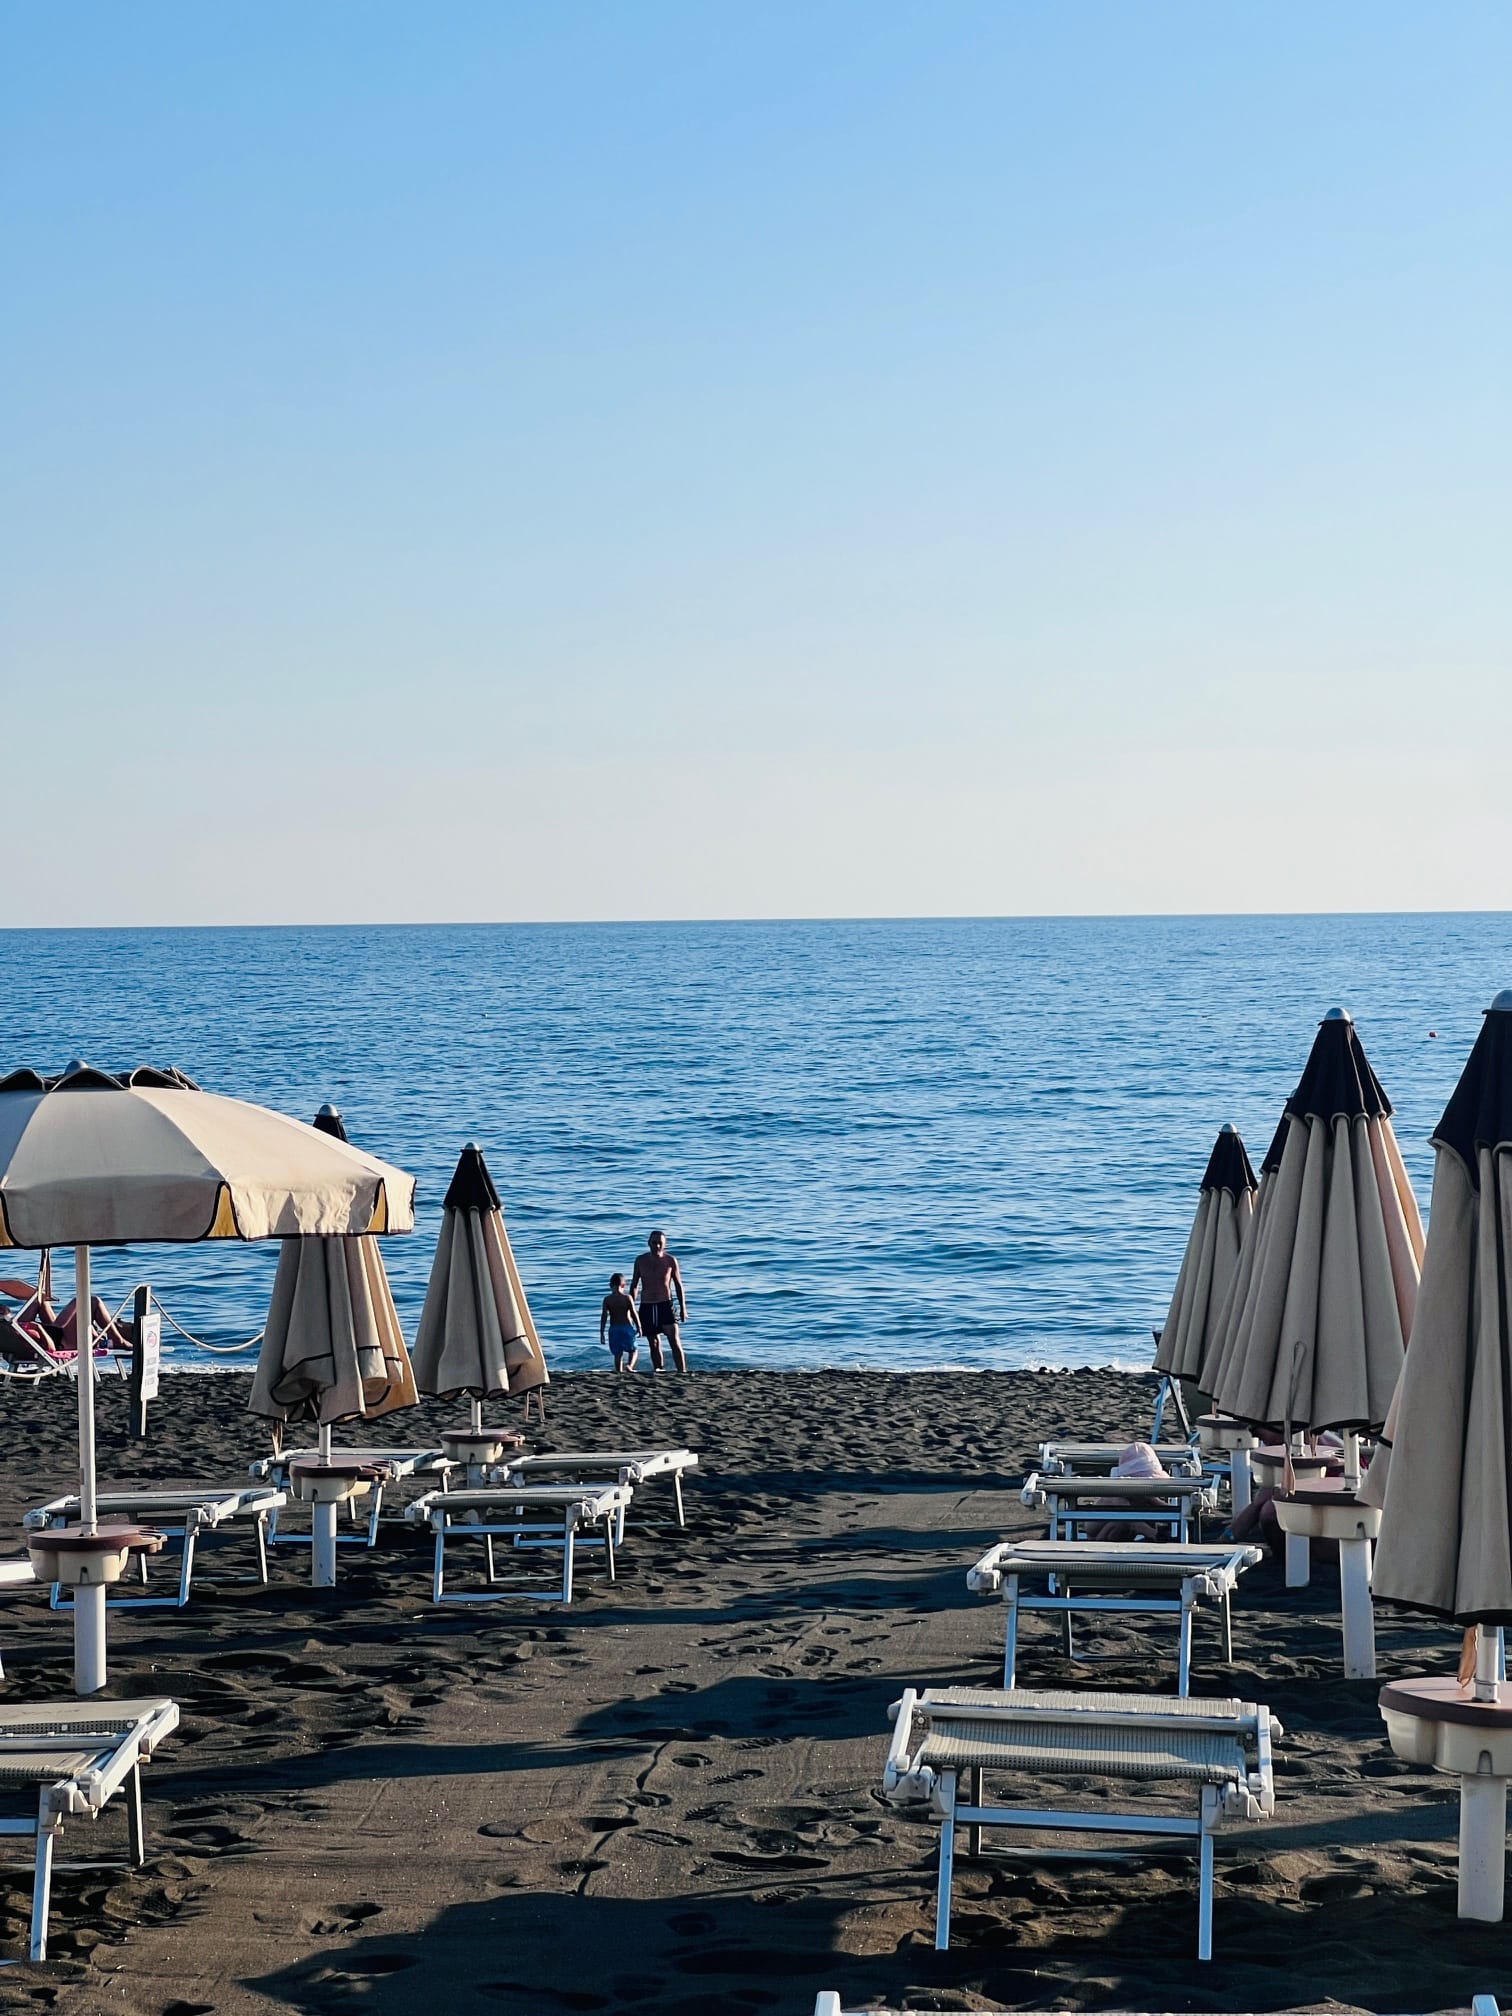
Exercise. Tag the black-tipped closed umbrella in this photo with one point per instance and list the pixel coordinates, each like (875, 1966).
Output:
(475, 1334)
(1446, 1527)
(1225, 1203)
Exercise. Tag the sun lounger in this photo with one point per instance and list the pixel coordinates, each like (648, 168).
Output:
(635, 1467)
(1096, 1459)
(76, 1756)
(1075, 1503)
(184, 1516)
(1132, 1577)
(1217, 1750)
(528, 1516)
(827, 2003)
(394, 1466)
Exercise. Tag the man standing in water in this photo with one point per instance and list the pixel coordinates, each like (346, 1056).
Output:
(654, 1283)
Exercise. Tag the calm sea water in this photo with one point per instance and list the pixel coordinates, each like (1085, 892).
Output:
(895, 1143)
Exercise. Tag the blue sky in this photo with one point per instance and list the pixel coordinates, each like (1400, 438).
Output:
(494, 461)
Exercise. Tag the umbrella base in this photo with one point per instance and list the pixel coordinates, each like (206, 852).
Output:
(1438, 1722)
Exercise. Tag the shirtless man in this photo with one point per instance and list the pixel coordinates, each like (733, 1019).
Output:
(653, 1282)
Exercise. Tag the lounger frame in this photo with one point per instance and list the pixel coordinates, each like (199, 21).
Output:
(1096, 1459)
(1075, 1503)
(521, 1514)
(183, 1516)
(1143, 1569)
(1248, 1792)
(122, 1736)
(398, 1463)
(634, 1467)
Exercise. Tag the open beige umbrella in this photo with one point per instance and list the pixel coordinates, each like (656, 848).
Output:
(475, 1334)
(89, 1158)
(1225, 1202)
(332, 1348)
(1445, 1543)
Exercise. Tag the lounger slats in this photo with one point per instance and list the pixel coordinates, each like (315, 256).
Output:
(1193, 1756)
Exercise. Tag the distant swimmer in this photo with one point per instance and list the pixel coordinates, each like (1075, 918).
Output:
(657, 1281)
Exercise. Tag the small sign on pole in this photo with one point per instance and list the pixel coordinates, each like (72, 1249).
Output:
(146, 1357)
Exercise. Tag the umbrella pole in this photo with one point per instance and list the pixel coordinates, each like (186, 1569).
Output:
(323, 1527)
(88, 1597)
(477, 1416)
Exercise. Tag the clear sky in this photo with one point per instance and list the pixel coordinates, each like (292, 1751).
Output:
(713, 459)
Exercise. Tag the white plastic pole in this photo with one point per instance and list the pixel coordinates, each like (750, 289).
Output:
(84, 1375)
(1239, 1478)
(89, 1637)
(324, 1442)
(1298, 1560)
(323, 1539)
(1351, 1459)
(1482, 1848)
(1359, 1615)
(477, 1416)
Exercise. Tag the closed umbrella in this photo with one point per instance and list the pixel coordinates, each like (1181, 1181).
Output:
(475, 1334)
(1225, 1202)
(1317, 1341)
(90, 1158)
(1446, 1527)
(332, 1347)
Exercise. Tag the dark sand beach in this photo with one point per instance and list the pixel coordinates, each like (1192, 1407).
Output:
(666, 1799)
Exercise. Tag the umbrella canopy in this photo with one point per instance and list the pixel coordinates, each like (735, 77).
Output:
(332, 1349)
(1225, 1201)
(1318, 1336)
(1446, 1525)
(475, 1334)
(1221, 1331)
(92, 1159)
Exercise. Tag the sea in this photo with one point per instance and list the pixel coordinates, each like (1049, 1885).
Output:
(905, 1143)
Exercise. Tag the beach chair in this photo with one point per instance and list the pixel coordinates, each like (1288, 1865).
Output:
(1129, 1577)
(1217, 1751)
(16, 1575)
(391, 1467)
(1096, 1459)
(1075, 1503)
(827, 2003)
(182, 1515)
(635, 1467)
(560, 1516)
(76, 1755)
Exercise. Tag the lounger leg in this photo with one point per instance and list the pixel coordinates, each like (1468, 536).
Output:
(262, 1547)
(488, 1548)
(1184, 1651)
(136, 1840)
(1205, 1897)
(974, 1832)
(42, 1882)
(372, 1537)
(186, 1567)
(567, 1561)
(1070, 1647)
(609, 1543)
(1228, 1630)
(438, 1563)
(947, 1859)
(1010, 1647)
(677, 1494)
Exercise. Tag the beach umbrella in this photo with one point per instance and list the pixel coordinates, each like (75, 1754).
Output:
(1445, 1543)
(332, 1347)
(1225, 1202)
(1316, 1341)
(88, 1158)
(1317, 1329)
(475, 1334)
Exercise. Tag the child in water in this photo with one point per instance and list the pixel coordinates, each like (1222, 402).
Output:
(617, 1316)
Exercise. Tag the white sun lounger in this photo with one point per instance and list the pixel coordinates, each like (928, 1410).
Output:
(1096, 1459)
(1220, 1750)
(179, 1515)
(827, 2003)
(76, 1755)
(1129, 1576)
(16, 1575)
(395, 1464)
(528, 1516)
(635, 1467)
(1075, 1503)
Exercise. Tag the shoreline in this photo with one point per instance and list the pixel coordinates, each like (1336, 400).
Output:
(666, 1798)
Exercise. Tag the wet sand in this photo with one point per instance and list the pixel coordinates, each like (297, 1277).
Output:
(665, 1799)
